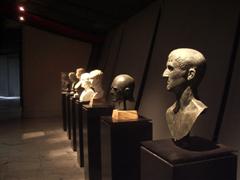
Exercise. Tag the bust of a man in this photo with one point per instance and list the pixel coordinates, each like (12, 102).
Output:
(184, 71)
(87, 93)
(65, 82)
(96, 77)
(122, 89)
(73, 79)
(77, 86)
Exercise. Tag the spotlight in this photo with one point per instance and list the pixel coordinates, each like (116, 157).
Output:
(21, 18)
(21, 8)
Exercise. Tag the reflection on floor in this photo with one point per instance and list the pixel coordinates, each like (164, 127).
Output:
(36, 149)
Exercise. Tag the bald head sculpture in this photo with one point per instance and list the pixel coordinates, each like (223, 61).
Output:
(122, 89)
(184, 71)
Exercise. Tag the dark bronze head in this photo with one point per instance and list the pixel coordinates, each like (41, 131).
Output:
(122, 88)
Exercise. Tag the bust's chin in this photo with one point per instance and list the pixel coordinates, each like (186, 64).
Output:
(169, 88)
(115, 100)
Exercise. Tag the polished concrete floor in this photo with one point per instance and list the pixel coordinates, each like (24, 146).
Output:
(36, 149)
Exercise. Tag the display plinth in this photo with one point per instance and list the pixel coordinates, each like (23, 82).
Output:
(91, 139)
(79, 132)
(120, 147)
(68, 114)
(73, 122)
(64, 118)
(203, 160)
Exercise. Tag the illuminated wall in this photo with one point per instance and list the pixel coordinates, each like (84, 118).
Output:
(45, 55)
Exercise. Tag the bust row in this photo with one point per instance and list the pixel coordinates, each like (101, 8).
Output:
(184, 71)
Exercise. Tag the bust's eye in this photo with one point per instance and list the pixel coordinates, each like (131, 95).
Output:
(170, 68)
(114, 89)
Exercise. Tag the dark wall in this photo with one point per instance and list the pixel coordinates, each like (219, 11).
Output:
(45, 56)
(230, 131)
(208, 26)
(128, 46)
(203, 26)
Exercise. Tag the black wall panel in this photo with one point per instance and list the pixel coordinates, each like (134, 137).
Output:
(203, 26)
(208, 26)
(229, 133)
(130, 46)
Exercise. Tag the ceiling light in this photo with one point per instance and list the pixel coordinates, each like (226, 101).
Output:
(21, 18)
(21, 8)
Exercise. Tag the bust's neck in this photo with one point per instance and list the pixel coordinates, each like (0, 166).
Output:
(98, 88)
(183, 99)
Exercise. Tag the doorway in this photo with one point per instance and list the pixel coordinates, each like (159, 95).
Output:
(10, 55)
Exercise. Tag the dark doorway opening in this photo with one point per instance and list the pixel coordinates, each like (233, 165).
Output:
(10, 58)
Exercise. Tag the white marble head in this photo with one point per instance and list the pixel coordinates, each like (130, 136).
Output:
(85, 81)
(79, 72)
(96, 77)
(88, 93)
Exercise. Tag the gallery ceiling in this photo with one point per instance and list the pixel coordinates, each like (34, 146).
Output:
(92, 16)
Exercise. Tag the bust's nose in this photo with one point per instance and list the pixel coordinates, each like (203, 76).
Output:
(166, 73)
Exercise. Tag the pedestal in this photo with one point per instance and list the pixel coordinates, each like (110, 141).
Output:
(79, 133)
(91, 139)
(203, 160)
(73, 122)
(68, 115)
(64, 118)
(120, 148)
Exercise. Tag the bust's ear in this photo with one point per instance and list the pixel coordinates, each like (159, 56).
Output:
(127, 92)
(191, 73)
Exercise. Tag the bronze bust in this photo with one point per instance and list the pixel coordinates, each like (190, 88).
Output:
(184, 71)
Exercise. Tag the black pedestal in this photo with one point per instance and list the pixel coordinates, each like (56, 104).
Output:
(79, 132)
(203, 160)
(68, 115)
(64, 118)
(91, 139)
(73, 122)
(120, 148)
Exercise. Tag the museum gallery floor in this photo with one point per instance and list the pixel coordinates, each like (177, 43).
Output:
(36, 150)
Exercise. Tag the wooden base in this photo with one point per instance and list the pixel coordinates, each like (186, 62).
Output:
(124, 115)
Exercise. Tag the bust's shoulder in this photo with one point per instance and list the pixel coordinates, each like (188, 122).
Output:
(197, 105)
(171, 108)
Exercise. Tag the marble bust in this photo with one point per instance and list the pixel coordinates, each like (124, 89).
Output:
(95, 78)
(73, 79)
(77, 86)
(184, 71)
(122, 89)
(88, 93)
(65, 82)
